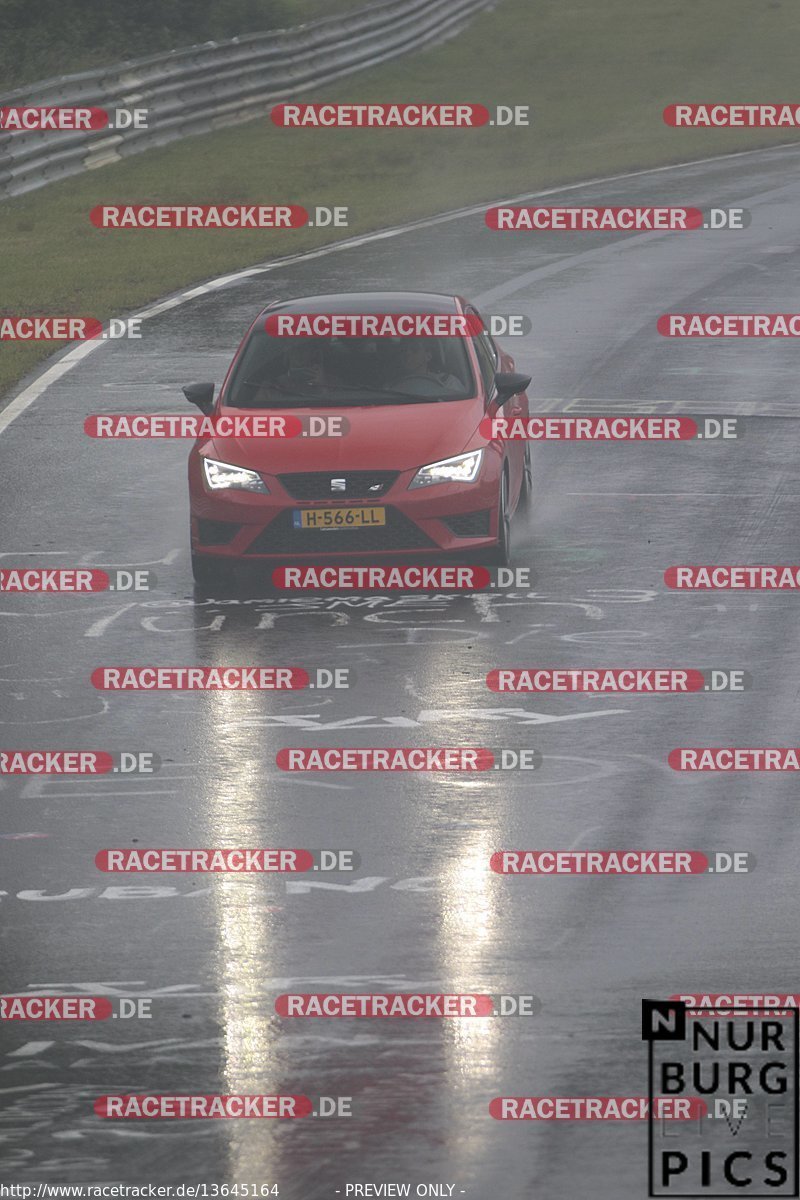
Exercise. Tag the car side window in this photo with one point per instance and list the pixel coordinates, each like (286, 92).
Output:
(493, 351)
(486, 338)
(487, 365)
(488, 358)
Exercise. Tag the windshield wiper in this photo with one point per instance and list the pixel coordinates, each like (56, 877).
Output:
(273, 387)
(327, 396)
(389, 394)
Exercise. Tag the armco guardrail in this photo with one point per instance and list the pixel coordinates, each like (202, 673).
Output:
(219, 83)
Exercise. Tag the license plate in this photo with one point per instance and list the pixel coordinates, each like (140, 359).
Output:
(337, 518)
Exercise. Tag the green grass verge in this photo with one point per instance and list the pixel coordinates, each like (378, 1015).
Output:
(596, 76)
(53, 37)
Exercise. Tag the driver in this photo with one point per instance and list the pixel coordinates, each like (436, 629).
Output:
(303, 374)
(417, 370)
(305, 369)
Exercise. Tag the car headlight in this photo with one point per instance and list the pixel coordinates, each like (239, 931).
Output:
(463, 468)
(220, 475)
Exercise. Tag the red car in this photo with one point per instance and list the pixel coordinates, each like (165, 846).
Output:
(412, 477)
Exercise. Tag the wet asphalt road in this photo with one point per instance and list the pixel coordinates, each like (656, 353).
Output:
(423, 912)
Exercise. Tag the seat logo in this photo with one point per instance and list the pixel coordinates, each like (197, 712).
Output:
(338, 485)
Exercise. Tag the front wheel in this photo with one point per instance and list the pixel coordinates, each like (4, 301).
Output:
(527, 476)
(500, 554)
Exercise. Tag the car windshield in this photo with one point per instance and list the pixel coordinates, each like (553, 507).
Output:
(279, 372)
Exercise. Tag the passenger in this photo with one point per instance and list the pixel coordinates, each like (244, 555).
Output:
(417, 373)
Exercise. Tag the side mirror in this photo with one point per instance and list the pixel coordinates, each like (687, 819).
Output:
(201, 394)
(509, 384)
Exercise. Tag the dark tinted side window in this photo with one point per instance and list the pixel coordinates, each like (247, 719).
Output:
(487, 365)
(487, 356)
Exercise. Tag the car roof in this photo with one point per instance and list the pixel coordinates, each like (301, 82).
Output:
(369, 302)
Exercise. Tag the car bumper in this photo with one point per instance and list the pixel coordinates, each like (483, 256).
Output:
(443, 518)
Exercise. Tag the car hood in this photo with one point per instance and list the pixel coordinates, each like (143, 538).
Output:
(380, 437)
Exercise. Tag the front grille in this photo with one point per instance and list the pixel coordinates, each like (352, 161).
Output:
(474, 524)
(216, 533)
(359, 485)
(399, 533)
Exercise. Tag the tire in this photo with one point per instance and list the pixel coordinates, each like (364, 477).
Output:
(527, 477)
(211, 572)
(500, 554)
